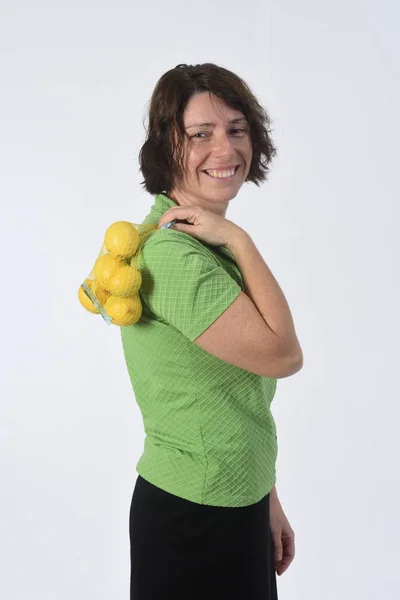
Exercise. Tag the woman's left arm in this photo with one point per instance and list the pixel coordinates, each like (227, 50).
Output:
(282, 534)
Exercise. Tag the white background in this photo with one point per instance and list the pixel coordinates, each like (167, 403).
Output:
(76, 78)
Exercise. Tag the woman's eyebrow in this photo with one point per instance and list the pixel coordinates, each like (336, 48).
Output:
(239, 120)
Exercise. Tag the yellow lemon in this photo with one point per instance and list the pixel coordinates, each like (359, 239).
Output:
(99, 292)
(105, 267)
(125, 281)
(121, 239)
(85, 300)
(124, 311)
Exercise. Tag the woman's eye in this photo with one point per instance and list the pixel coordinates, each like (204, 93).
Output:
(203, 133)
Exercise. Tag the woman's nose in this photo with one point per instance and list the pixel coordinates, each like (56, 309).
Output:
(223, 144)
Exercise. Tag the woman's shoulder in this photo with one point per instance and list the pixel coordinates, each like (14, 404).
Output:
(163, 242)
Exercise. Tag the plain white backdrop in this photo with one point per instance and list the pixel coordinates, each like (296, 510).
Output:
(76, 79)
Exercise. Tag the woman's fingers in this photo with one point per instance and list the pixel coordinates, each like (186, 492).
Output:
(170, 215)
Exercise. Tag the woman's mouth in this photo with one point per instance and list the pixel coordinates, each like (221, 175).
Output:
(222, 175)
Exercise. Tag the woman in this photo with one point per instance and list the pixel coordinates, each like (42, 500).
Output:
(215, 335)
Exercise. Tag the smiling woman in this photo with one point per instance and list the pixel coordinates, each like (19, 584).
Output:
(200, 362)
(179, 98)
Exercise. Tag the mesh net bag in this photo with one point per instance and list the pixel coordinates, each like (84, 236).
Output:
(112, 287)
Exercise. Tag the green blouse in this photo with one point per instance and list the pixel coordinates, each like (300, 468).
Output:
(210, 435)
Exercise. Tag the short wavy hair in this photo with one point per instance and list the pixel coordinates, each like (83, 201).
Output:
(161, 157)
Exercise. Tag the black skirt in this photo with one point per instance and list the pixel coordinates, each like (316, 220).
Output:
(181, 550)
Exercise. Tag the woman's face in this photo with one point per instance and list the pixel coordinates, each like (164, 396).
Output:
(216, 145)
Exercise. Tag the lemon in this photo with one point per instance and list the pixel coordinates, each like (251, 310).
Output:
(124, 311)
(85, 300)
(99, 292)
(125, 281)
(121, 239)
(105, 267)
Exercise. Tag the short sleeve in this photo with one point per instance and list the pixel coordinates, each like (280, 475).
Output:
(183, 283)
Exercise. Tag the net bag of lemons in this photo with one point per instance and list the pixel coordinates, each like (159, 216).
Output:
(112, 287)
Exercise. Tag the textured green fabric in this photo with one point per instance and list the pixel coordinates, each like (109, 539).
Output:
(210, 435)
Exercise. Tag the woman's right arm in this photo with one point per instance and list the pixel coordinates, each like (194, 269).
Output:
(256, 332)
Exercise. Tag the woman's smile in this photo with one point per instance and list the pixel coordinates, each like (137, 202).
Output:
(223, 178)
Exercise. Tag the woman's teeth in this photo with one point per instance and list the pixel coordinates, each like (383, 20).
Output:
(221, 174)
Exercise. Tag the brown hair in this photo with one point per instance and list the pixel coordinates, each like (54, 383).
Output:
(161, 156)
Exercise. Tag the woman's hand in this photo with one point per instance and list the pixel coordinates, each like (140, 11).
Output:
(282, 535)
(202, 224)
